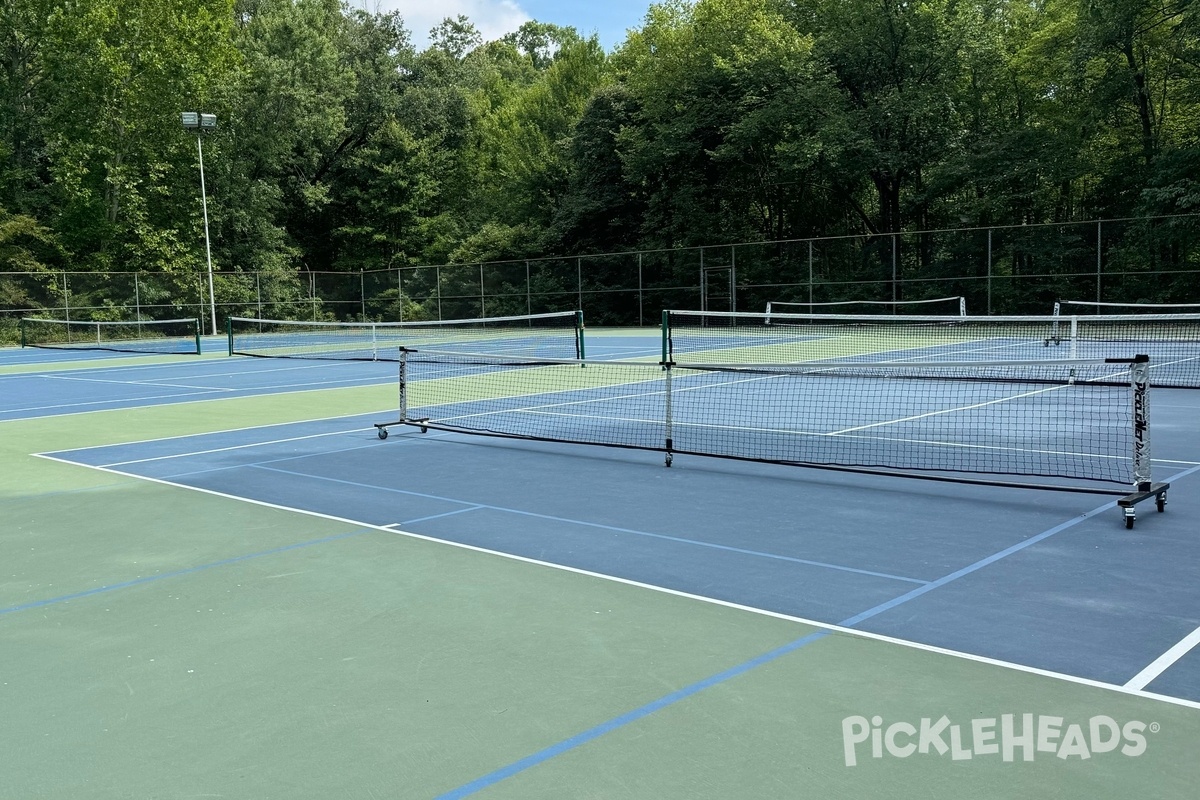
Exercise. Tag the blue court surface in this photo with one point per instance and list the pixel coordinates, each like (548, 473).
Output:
(1038, 583)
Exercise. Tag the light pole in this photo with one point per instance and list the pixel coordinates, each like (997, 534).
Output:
(202, 123)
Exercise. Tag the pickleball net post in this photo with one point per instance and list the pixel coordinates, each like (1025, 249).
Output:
(381, 428)
(1143, 483)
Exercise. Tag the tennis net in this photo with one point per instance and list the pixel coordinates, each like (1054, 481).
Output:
(171, 336)
(556, 335)
(1071, 420)
(1171, 340)
(956, 306)
(1120, 309)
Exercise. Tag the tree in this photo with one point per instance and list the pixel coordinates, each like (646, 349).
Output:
(114, 79)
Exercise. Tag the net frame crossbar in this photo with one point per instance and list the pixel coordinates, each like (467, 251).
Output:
(787, 306)
(379, 339)
(1135, 393)
(184, 343)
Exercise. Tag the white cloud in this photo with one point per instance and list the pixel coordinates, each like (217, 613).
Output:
(493, 18)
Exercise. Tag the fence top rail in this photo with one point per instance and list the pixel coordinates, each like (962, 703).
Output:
(112, 322)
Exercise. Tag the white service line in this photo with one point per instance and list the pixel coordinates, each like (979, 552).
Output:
(1163, 662)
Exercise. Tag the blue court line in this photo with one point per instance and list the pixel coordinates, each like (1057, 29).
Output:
(177, 573)
(33, 498)
(626, 718)
(571, 743)
(647, 534)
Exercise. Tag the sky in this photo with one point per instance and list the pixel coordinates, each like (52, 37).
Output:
(494, 18)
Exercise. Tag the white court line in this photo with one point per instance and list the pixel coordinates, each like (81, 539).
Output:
(262, 464)
(51, 376)
(224, 371)
(818, 434)
(249, 394)
(867, 635)
(221, 363)
(606, 398)
(100, 402)
(226, 430)
(1163, 662)
(940, 412)
(233, 447)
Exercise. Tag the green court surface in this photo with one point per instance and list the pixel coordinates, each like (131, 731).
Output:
(161, 642)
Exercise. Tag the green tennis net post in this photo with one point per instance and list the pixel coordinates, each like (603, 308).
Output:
(579, 335)
(196, 334)
(21, 327)
(666, 347)
(229, 333)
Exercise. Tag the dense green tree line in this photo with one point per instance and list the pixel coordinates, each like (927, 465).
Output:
(342, 147)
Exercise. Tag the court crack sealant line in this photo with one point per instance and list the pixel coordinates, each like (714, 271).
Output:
(584, 523)
(824, 626)
(544, 755)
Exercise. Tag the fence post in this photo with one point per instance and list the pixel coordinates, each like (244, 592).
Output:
(579, 280)
(641, 315)
(258, 292)
(989, 273)
(400, 290)
(1099, 261)
(362, 292)
(437, 276)
(482, 293)
(137, 297)
(810, 275)
(733, 278)
(66, 297)
(528, 291)
(895, 285)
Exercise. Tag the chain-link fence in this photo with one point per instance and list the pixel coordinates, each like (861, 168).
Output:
(999, 270)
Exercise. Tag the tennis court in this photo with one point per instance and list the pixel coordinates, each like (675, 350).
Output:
(220, 581)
